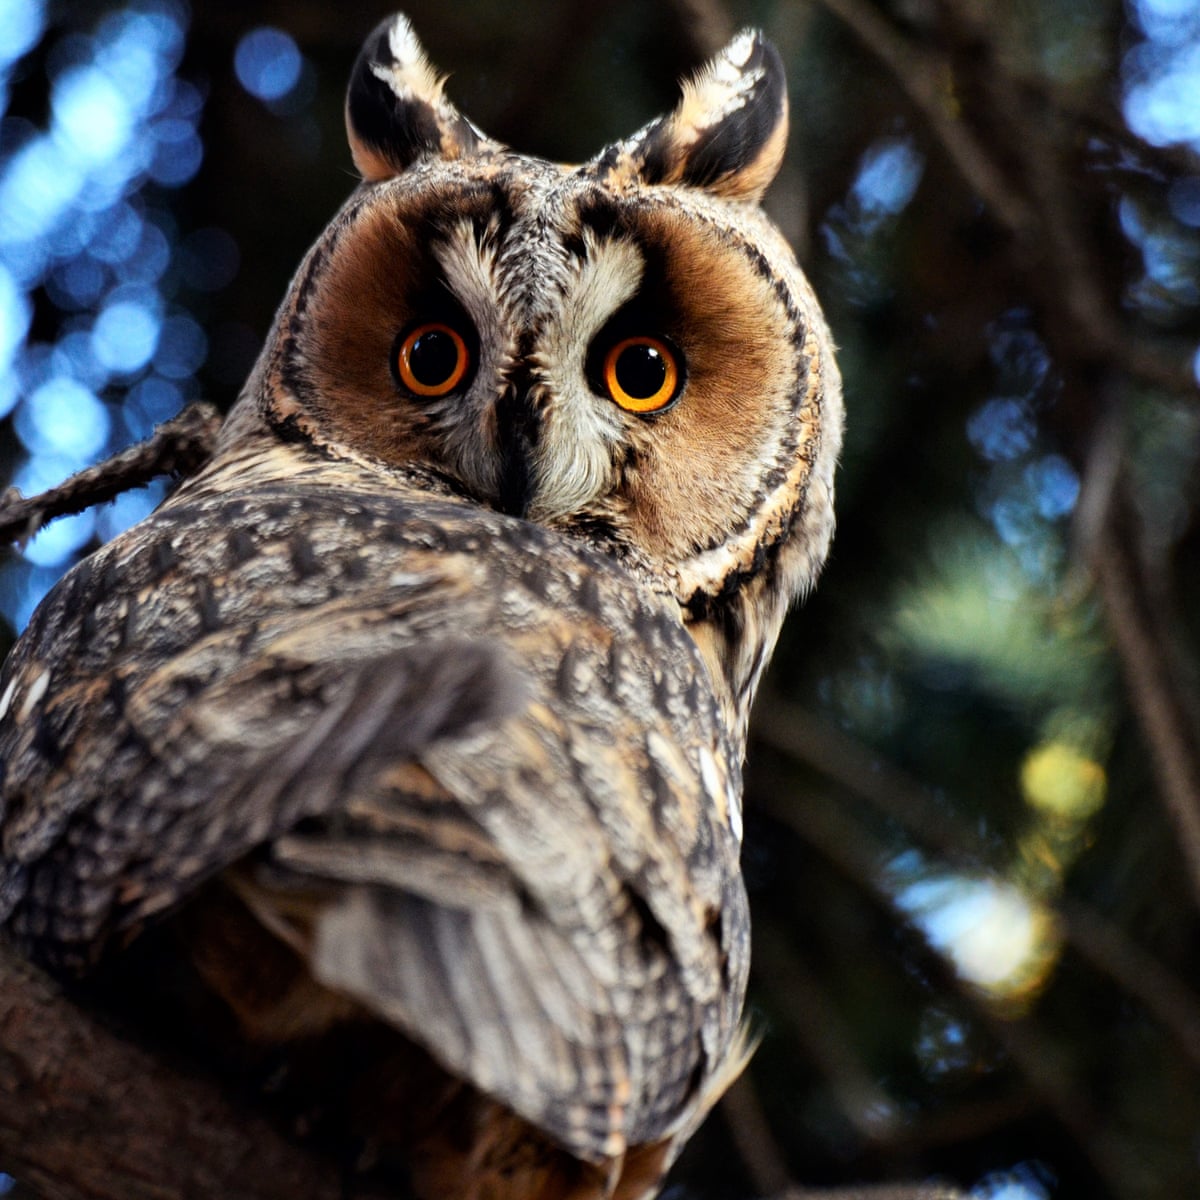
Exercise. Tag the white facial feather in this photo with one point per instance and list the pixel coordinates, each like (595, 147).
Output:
(574, 454)
(469, 268)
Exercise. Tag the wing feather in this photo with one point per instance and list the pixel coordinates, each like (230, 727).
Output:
(492, 785)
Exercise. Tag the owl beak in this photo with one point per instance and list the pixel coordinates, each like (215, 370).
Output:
(517, 432)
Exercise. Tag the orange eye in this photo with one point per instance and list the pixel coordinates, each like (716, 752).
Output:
(431, 359)
(642, 374)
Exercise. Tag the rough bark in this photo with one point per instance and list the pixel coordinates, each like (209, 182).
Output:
(87, 1115)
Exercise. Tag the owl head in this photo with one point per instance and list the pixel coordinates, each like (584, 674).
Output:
(624, 351)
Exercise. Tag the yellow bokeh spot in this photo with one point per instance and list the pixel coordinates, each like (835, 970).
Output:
(1061, 782)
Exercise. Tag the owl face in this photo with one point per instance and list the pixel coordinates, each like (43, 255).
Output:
(624, 351)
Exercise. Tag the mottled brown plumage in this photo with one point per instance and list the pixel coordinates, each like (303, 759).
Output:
(420, 714)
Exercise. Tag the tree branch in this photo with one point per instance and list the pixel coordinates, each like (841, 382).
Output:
(180, 444)
(816, 1023)
(87, 1115)
(928, 81)
(1034, 204)
(747, 1123)
(1165, 712)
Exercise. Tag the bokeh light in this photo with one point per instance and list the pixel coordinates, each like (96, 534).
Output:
(1062, 783)
(22, 22)
(1029, 1181)
(268, 63)
(77, 224)
(996, 935)
(887, 178)
(1162, 72)
(57, 541)
(93, 116)
(1002, 428)
(857, 231)
(125, 336)
(65, 419)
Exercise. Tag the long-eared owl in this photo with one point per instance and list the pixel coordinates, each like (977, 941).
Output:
(416, 715)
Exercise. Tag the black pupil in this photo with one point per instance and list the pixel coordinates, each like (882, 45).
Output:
(433, 358)
(641, 371)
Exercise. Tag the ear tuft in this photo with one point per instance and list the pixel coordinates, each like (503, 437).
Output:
(395, 110)
(728, 133)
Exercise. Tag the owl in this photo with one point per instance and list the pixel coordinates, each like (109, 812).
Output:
(405, 738)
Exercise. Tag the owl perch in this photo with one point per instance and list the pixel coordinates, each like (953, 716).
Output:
(87, 1115)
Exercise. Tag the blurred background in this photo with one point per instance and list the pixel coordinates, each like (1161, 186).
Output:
(973, 842)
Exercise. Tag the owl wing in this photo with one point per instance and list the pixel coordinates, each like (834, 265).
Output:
(490, 762)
